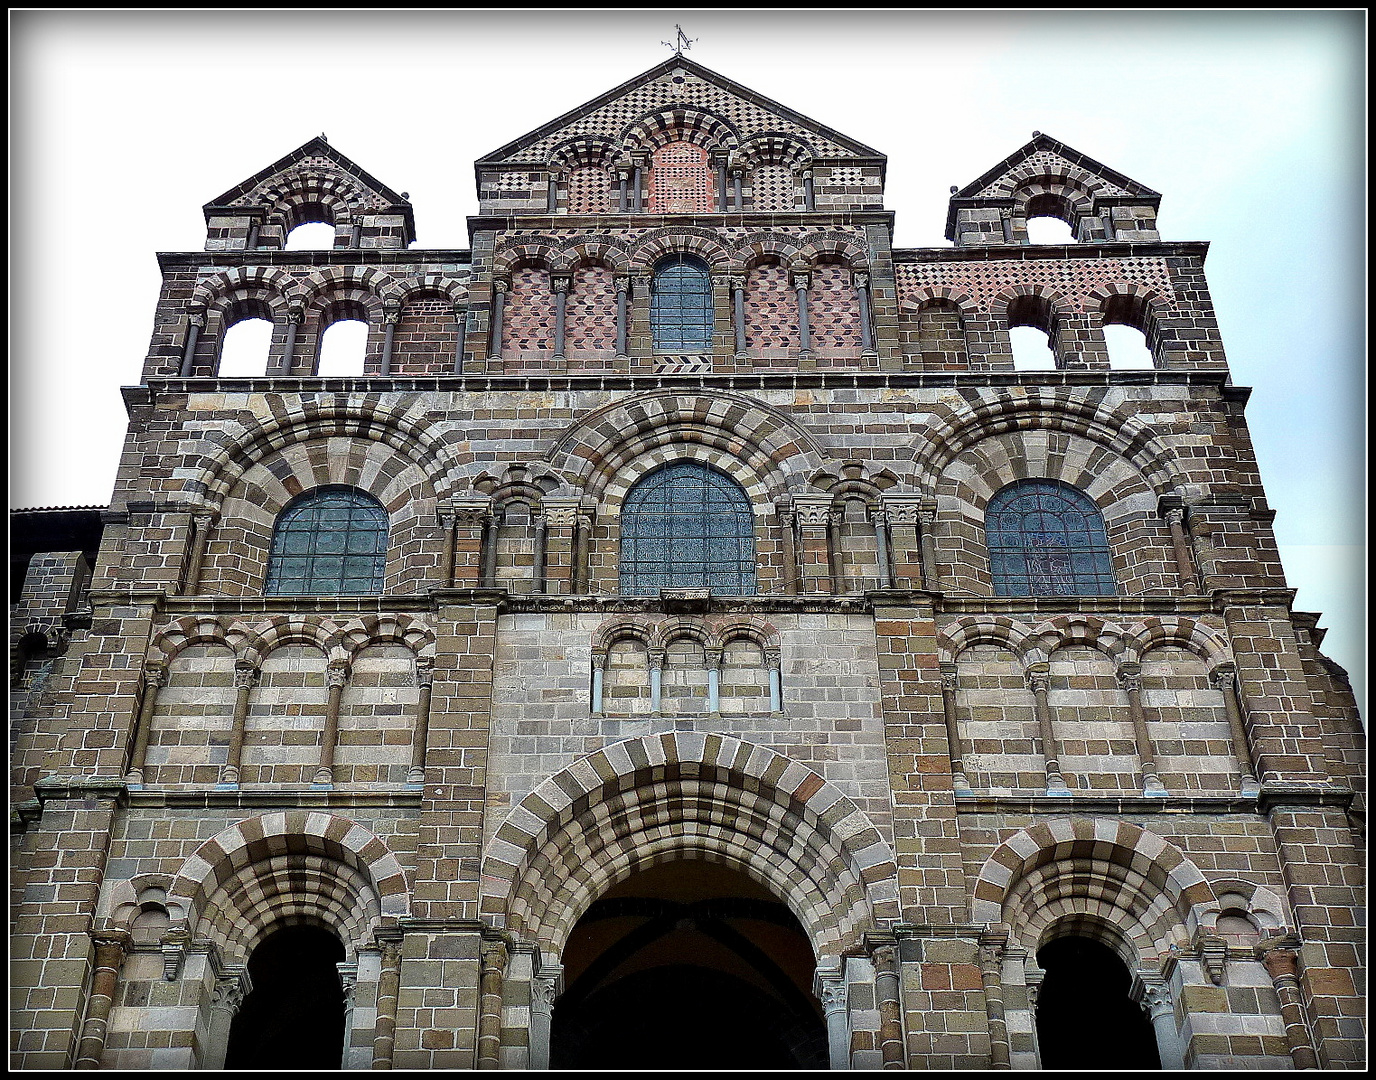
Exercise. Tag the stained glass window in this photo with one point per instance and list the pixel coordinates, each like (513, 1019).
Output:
(1047, 538)
(328, 542)
(681, 317)
(687, 527)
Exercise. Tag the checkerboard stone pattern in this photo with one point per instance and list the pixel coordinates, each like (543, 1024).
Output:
(446, 774)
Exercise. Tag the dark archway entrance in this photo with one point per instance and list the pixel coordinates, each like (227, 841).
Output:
(1085, 1018)
(294, 1018)
(688, 965)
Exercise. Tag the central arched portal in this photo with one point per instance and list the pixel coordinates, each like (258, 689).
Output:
(688, 964)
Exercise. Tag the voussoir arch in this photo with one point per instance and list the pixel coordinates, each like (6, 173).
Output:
(657, 798)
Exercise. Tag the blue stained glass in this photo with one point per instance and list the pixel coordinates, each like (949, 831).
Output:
(687, 526)
(1047, 538)
(681, 316)
(328, 542)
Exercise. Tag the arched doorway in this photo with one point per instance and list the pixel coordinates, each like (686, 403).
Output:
(1085, 1017)
(294, 1018)
(688, 964)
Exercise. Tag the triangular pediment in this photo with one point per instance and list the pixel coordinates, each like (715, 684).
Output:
(1044, 156)
(738, 114)
(317, 157)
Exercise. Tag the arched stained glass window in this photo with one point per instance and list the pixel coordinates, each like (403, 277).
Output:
(328, 542)
(1047, 538)
(687, 527)
(681, 318)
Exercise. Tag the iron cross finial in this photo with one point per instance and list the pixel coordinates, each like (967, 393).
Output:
(681, 41)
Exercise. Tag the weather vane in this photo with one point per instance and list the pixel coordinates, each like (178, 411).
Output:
(681, 42)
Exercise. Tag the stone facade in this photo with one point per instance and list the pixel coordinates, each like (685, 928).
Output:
(935, 777)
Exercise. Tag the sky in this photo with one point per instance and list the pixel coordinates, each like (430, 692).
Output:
(1251, 125)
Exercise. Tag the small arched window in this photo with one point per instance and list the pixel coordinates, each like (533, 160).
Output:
(686, 526)
(329, 542)
(681, 317)
(1047, 538)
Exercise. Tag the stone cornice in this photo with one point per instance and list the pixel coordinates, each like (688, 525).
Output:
(1093, 249)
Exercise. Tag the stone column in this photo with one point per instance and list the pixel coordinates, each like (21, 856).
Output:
(736, 199)
(638, 162)
(154, 678)
(425, 678)
(231, 987)
(448, 521)
(788, 545)
(862, 293)
(560, 284)
(926, 516)
(336, 675)
(776, 687)
(488, 557)
(718, 160)
(814, 569)
(388, 989)
(499, 288)
(111, 945)
(713, 681)
(800, 284)
(623, 289)
(296, 315)
(1154, 994)
(460, 333)
(1109, 233)
(829, 985)
(552, 194)
(905, 548)
(809, 191)
(599, 667)
(201, 523)
(544, 992)
(490, 1005)
(1039, 682)
(1224, 678)
(655, 658)
(245, 678)
(879, 520)
(835, 556)
(1282, 965)
(1130, 679)
(623, 178)
(538, 570)
(949, 682)
(348, 983)
(886, 990)
(1202, 546)
(391, 315)
(1175, 518)
(195, 324)
(737, 283)
(581, 529)
(1006, 220)
(991, 949)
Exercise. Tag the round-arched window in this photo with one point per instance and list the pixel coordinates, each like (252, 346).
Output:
(681, 318)
(687, 526)
(1047, 538)
(329, 542)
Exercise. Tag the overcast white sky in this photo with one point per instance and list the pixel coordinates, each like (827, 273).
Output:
(1251, 125)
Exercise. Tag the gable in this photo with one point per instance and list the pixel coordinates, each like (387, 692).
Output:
(322, 164)
(1044, 156)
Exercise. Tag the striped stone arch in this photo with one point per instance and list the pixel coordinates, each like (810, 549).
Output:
(1071, 192)
(415, 286)
(1034, 171)
(326, 416)
(970, 630)
(402, 629)
(284, 867)
(1182, 632)
(762, 247)
(994, 413)
(919, 299)
(684, 240)
(763, 633)
(1079, 874)
(620, 628)
(590, 251)
(686, 123)
(583, 152)
(680, 795)
(190, 630)
(776, 148)
(845, 247)
(1150, 300)
(118, 905)
(339, 193)
(274, 287)
(515, 253)
(1061, 306)
(284, 630)
(367, 283)
(677, 629)
(1062, 631)
(740, 436)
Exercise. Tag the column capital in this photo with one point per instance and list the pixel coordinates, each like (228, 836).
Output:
(336, 674)
(713, 657)
(245, 674)
(348, 980)
(861, 278)
(296, 312)
(1175, 515)
(425, 670)
(1130, 677)
(992, 946)
(1222, 676)
(154, 674)
(801, 279)
(1038, 677)
(950, 678)
(231, 987)
(500, 283)
(736, 282)
(772, 657)
(560, 283)
(655, 656)
(113, 942)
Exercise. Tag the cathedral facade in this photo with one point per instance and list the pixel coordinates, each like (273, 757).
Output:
(688, 638)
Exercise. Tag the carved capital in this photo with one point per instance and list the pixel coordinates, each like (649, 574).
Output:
(992, 946)
(245, 675)
(801, 279)
(425, 670)
(950, 679)
(713, 657)
(154, 675)
(736, 282)
(196, 318)
(1222, 676)
(902, 511)
(772, 658)
(348, 981)
(656, 657)
(296, 313)
(1034, 977)
(1281, 963)
(336, 674)
(500, 284)
(1156, 996)
(1038, 678)
(812, 511)
(230, 990)
(560, 283)
(1175, 516)
(861, 279)
(1130, 677)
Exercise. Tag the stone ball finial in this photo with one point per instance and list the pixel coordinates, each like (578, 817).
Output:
(954, 189)
(1035, 134)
